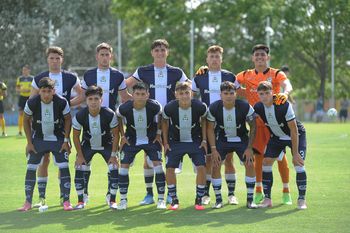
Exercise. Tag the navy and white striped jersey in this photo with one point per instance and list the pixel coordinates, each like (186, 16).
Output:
(276, 118)
(96, 130)
(162, 81)
(141, 124)
(110, 80)
(231, 123)
(184, 124)
(208, 84)
(47, 119)
(64, 82)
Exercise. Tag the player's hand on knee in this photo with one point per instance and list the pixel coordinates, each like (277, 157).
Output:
(65, 147)
(280, 98)
(298, 160)
(166, 148)
(215, 158)
(114, 161)
(79, 161)
(202, 70)
(204, 145)
(249, 156)
(30, 148)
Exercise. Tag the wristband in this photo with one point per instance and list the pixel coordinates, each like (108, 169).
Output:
(205, 141)
(213, 147)
(159, 132)
(66, 140)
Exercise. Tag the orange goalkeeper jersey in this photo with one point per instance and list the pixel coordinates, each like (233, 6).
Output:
(250, 79)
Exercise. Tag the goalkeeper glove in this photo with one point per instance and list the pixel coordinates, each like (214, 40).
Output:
(280, 98)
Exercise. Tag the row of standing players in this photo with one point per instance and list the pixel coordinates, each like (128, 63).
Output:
(162, 79)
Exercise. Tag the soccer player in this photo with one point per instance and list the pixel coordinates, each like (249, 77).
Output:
(100, 135)
(23, 88)
(250, 79)
(65, 81)
(141, 117)
(161, 78)
(285, 131)
(208, 86)
(184, 132)
(47, 124)
(227, 133)
(3, 93)
(112, 83)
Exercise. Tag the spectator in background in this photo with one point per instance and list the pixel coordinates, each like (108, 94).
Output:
(343, 114)
(3, 94)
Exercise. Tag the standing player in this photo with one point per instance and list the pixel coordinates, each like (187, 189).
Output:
(47, 125)
(285, 131)
(227, 133)
(112, 83)
(162, 79)
(100, 135)
(65, 81)
(23, 88)
(141, 117)
(184, 132)
(251, 79)
(3, 93)
(208, 86)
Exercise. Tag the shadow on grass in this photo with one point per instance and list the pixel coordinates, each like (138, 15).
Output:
(139, 217)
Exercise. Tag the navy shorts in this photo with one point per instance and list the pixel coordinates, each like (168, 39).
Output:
(276, 147)
(22, 102)
(42, 147)
(89, 153)
(152, 150)
(225, 148)
(178, 151)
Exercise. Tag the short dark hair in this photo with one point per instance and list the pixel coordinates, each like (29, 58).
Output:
(183, 86)
(285, 68)
(227, 86)
(26, 66)
(159, 42)
(94, 90)
(264, 86)
(262, 47)
(140, 86)
(54, 49)
(46, 82)
(104, 45)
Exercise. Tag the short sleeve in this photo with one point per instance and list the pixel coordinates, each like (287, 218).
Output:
(18, 82)
(240, 78)
(204, 110)
(280, 77)
(210, 116)
(183, 77)
(34, 85)
(114, 122)
(136, 75)
(122, 85)
(290, 115)
(250, 114)
(166, 113)
(27, 110)
(66, 109)
(76, 125)
(194, 86)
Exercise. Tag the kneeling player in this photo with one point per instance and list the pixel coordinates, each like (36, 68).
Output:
(285, 131)
(97, 124)
(47, 123)
(187, 135)
(230, 116)
(142, 118)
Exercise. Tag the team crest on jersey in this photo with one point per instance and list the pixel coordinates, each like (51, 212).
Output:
(229, 118)
(185, 118)
(160, 74)
(215, 79)
(103, 79)
(121, 155)
(140, 118)
(94, 124)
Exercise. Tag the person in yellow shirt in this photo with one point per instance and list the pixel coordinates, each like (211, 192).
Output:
(3, 94)
(23, 88)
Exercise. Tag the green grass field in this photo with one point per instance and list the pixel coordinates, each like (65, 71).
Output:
(327, 165)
